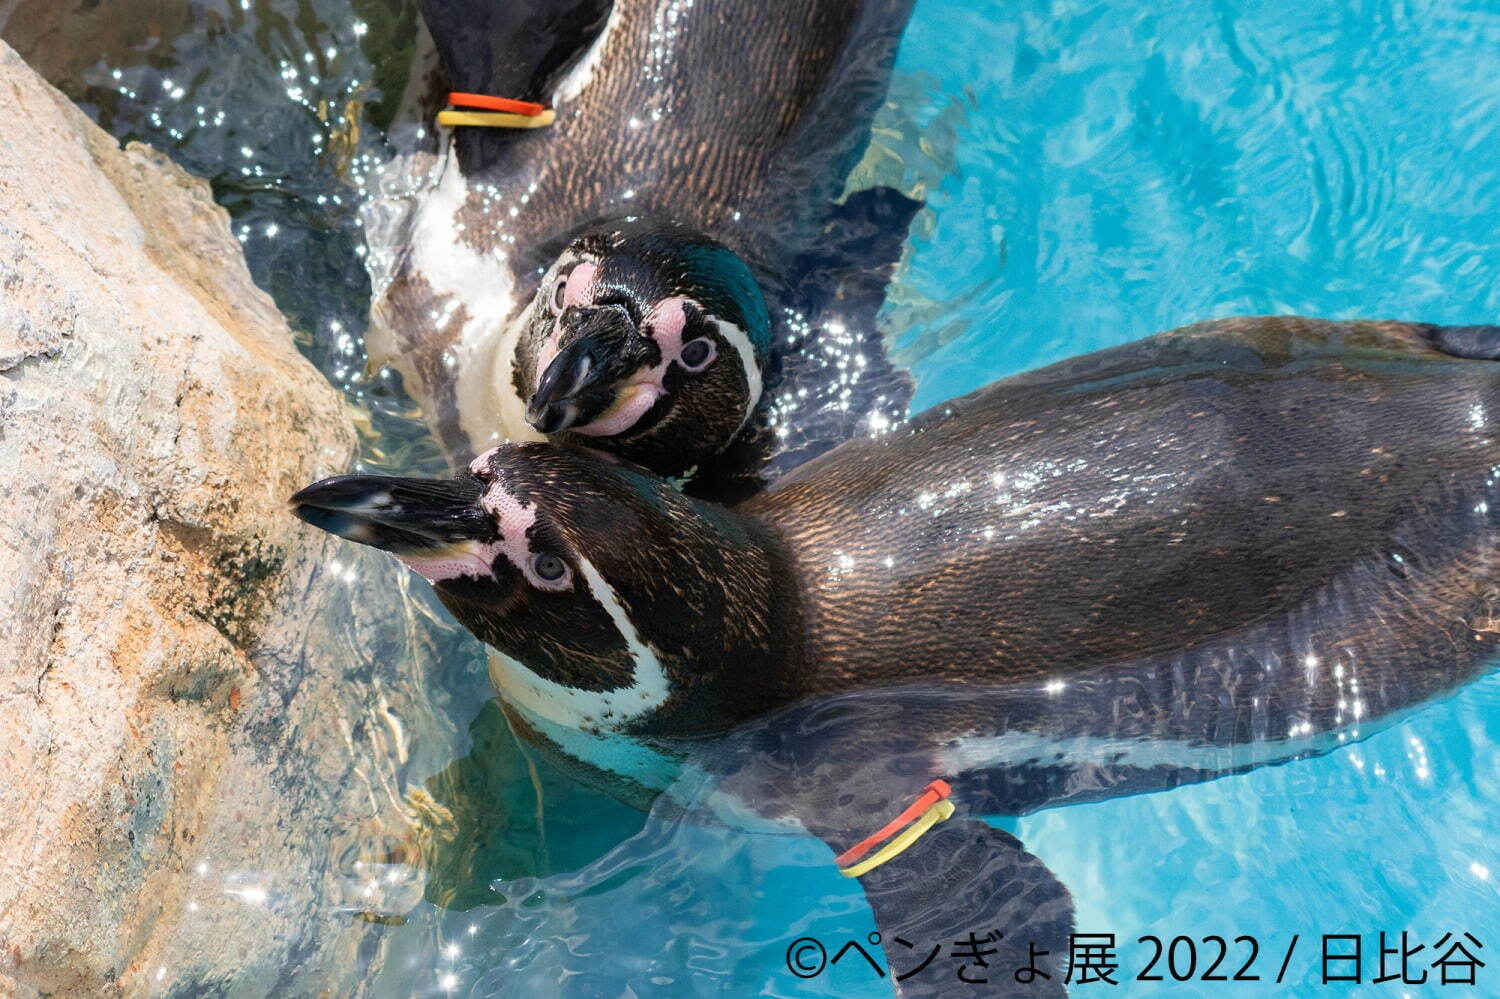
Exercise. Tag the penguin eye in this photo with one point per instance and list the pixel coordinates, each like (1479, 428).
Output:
(557, 295)
(551, 570)
(696, 354)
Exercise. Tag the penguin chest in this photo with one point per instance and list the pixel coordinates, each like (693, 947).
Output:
(620, 760)
(490, 408)
(473, 312)
(579, 724)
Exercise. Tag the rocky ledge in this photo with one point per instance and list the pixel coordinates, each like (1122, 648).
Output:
(160, 757)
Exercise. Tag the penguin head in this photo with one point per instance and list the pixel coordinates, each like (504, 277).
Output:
(622, 603)
(646, 340)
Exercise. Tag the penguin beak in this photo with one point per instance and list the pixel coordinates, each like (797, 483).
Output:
(401, 516)
(602, 350)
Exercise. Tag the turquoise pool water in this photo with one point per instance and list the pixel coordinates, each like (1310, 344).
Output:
(1124, 168)
(1094, 172)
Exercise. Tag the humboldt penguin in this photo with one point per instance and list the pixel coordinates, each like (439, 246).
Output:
(1237, 543)
(646, 340)
(680, 130)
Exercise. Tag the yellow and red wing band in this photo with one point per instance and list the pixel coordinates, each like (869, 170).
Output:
(925, 808)
(482, 111)
(937, 813)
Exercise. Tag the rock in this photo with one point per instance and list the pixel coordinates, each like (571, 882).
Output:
(172, 769)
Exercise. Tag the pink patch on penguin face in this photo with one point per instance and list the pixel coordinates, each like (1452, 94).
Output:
(638, 398)
(578, 290)
(475, 563)
(514, 519)
(664, 323)
(580, 286)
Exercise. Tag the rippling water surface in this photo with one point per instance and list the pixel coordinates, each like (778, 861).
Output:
(1095, 172)
(1123, 168)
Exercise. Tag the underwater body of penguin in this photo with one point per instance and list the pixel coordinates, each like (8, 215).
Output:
(584, 281)
(1235, 544)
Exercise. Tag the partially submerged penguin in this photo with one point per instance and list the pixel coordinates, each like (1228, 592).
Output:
(681, 131)
(1233, 544)
(646, 340)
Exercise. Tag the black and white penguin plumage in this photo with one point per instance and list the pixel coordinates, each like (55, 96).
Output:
(645, 339)
(742, 136)
(1237, 543)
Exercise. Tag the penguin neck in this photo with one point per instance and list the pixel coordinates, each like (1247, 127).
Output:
(491, 410)
(760, 665)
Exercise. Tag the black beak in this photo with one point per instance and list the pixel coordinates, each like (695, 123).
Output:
(404, 516)
(601, 349)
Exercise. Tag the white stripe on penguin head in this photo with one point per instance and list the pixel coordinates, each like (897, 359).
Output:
(737, 339)
(546, 698)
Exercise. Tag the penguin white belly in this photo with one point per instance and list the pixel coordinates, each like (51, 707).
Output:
(609, 752)
(478, 290)
(490, 412)
(1018, 750)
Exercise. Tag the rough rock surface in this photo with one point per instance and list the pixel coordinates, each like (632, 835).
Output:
(159, 720)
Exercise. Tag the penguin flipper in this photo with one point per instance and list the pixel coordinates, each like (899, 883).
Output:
(838, 768)
(1478, 343)
(834, 373)
(965, 876)
(517, 49)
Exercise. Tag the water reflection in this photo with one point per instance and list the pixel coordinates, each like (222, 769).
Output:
(282, 105)
(669, 909)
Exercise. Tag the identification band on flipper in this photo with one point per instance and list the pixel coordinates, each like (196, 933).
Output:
(482, 111)
(931, 807)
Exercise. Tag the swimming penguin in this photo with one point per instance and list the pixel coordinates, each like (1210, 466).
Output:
(1237, 543)
(680, 129)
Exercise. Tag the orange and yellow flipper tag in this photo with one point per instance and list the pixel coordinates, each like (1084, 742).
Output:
(931, 807)
(481, 111)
